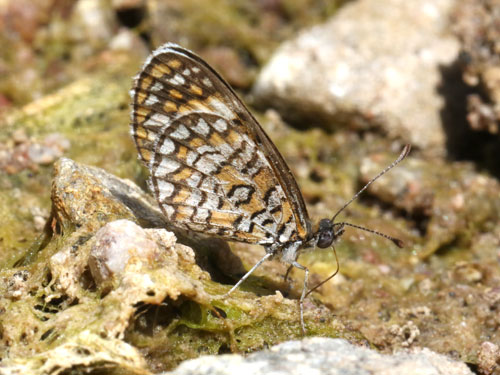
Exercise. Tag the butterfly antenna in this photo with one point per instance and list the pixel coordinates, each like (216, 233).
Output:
(404, 154)
(399, 243)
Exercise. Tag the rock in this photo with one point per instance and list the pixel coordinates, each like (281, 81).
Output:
(324, 356)
(128, 4)
(125, 40)
(17, 285)
(476, 24)
(46, 152)
(120, 243)
(23, 152)
(488, 357)
(373, 64)
(94, 22)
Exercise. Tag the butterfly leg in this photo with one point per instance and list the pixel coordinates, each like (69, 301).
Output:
(289, 285)
(264, 258)
(288, 272)
(303, 295)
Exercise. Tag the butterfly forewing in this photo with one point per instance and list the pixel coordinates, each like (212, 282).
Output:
(213, 169)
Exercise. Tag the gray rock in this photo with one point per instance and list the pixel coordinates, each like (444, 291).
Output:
(324, 356)
(374, 64)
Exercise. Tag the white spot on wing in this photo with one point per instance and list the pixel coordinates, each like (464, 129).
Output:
(274, 200)
(152, 99)
(241, 194)
(208, 184)
(177, 79)
(157, 120)
(194, 179)
(205, 165)
(201, 215)
(191, 157)
(202, 127)
(166, 166)
(218, 158)
(221, 108)
(246, 154)
(205, 148)
(206, 82)
(158, 86)
(225, 149)
(169, 210)
(186, 72)
(244, 226)
(167, 147)
(211, 202)
(285, 236)
(194, 198)
(165, 190)
(180, 133)
(263, 216)
(220, 125)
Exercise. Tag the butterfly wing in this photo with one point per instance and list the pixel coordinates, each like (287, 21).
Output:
(213, 168)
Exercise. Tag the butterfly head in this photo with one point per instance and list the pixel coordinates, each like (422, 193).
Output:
(327, 233)
(328, 230)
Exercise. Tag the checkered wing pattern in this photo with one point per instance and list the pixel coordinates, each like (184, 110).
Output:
(213, 169)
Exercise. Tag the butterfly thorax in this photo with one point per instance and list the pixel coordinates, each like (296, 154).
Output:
(326, 233)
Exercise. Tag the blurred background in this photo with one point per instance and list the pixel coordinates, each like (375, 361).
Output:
(46, 44)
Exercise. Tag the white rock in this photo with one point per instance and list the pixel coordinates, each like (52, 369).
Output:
(374, 63)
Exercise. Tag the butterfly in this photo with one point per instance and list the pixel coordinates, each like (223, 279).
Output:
(214, 170)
